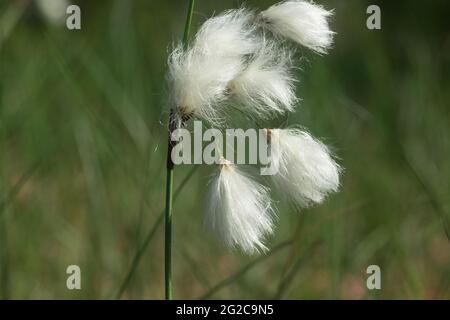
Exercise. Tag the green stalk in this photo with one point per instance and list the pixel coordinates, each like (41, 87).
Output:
(169, 182)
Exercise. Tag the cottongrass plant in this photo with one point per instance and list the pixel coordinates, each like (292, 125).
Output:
(240, 58)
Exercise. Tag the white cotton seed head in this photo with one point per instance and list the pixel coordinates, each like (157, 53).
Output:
(307, 171)
(230, 34)
(301, 21)
(238, 209)
(199, 75)
(53, 11)
(266, 86)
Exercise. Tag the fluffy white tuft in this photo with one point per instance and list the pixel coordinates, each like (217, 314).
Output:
(266, 86)
(230, 34)
(301, 21)
(307, 171)
(238, 209)
(199, 75)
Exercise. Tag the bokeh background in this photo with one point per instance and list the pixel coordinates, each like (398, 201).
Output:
(83, 145)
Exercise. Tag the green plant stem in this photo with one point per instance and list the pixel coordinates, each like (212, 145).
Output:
(231, 279)
(169, 182)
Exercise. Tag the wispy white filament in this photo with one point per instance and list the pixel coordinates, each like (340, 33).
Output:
(199, 75)
(307, 171)
(266, 86)
(230, 57)
(238, 209)
(53, 11)
(301, 21)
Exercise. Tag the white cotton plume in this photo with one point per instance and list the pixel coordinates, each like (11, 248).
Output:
(238, 209)
(301, 21)
(307, 172)
(266, 86)
(199, 75)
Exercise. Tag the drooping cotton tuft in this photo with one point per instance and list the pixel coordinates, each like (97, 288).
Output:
(301, 21)
(266, 86)
(307, 172)
(238, 209)
(199, 75)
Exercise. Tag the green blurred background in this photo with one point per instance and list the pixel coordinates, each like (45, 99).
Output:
(83, 146)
